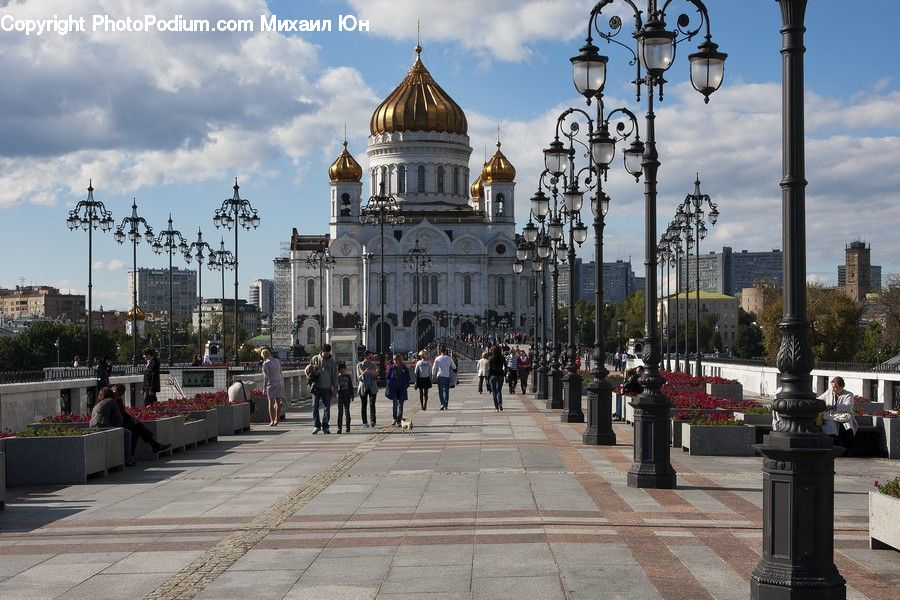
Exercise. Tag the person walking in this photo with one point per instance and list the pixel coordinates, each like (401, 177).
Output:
(344, 395)
(481, 370)
(423, 378)
(151, 376)
(512, 370)
(273, 384)
(523, 365)
(397, 381)
(496, 370)
(322, 373)
(441, 370)
(367, 387)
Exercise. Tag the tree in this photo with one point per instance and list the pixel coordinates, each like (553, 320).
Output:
(833, 320)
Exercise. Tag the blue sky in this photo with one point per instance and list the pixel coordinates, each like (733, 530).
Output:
(171, 118)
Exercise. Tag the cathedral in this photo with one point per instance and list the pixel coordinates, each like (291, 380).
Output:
(332, 288)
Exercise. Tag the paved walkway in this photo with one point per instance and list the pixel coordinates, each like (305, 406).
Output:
(470, 504)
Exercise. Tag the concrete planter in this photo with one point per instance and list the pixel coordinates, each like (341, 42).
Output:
(57, 460)
(753, 419)
(865, 420)
(241, 417)
(194, 433)
(884, 526)
(730, 391)
(888, 436)
(211, 419)
(115, 450)
(166, 431)
(261, 412)
(226, 419)
(718, 440)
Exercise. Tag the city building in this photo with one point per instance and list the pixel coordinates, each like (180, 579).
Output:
(723, 307)
(858, 276)
(248, 315)
(418, 153)
(262, 294)
(728, 272)
(153, 291)
(619, 281)
(752, 300)
(41, 301)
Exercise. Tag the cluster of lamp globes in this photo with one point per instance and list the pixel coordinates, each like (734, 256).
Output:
(656, 53)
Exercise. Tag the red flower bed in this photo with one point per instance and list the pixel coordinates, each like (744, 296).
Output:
(66, 418)
(887, 414)
(7, 433)
(147, 413)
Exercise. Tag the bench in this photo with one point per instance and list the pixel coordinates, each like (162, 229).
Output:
(865, 442)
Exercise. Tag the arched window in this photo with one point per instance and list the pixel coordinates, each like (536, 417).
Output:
(345, 204)
(501, 291)
(455, 181)
(501, 201)
(401, 179)
(311, 336)
(345, 291)
(385, 181)
(421, 174)
(434, 289)
(440, 179)
(425, 294)
(467, 289)
(310, 293)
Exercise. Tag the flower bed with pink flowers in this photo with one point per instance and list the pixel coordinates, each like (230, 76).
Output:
(66, 418)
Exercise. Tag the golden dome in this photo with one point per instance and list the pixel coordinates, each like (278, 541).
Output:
(418, 104)
(476, 191)
(137, 313)
(345, 167)
(498, 168)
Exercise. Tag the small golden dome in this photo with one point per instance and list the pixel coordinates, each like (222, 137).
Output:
(137, 313)
(476, 191)
(418, 104)
(498, 168)
(345, 167)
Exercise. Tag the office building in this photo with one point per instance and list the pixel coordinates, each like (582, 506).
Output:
(728, 272)
(262, 294)
(41, 301)
(153, 291)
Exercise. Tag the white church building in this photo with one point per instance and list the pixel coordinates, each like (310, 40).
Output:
(418, 153)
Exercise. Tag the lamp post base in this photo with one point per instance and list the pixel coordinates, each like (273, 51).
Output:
(554, 383)
(572, 412)
(798, 496)
(542, 392)
(599, 430)
(652, 467)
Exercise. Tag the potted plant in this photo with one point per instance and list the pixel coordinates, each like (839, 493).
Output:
(754, 415)
(717, 435)
(884, 506)
(59, 455)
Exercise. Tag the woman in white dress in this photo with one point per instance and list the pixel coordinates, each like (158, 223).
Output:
(273, 383)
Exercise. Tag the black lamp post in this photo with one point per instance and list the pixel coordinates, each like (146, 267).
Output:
(89, 214)
(235, 213)
(133, 226)
(798, 459)
(196, 250)
(692, 209)
(540, 208)
(654, 54)
(417, 259)
(172, 240)
(321, 259)
(222, 259)
(382, 210)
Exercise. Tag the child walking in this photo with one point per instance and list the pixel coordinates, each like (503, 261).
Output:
(345, 394)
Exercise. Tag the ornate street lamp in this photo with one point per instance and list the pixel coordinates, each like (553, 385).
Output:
(235, 213)
(130, 227)
(382, 210)
(654, 54)
(88, 215)
(171, 240)
(417, 259)
(196, 250)
(322, 260)
(692, 209)
(798, 459)
(222, 259)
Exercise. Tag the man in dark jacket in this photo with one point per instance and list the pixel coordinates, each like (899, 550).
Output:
(151, 376)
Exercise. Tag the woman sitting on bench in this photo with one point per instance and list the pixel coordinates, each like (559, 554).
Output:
(838, 420)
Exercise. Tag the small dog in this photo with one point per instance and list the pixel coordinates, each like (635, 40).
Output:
(407, 425)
